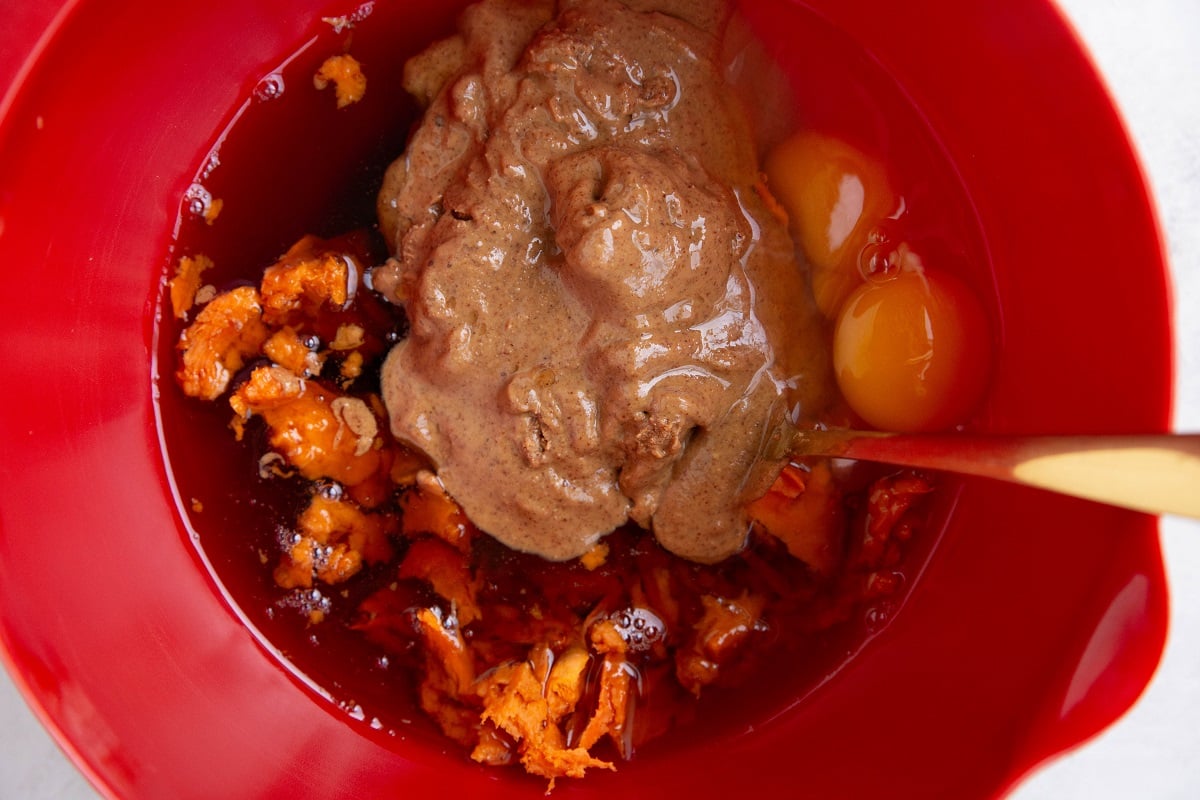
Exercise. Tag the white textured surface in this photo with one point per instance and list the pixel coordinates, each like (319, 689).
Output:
(1148, 53)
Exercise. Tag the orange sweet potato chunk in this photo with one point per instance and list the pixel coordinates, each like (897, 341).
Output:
(346, 75)
(267, 388)
(288, 350)
(334, 538)
(330, 520)
(891, 497)
(297, 568)
(445, 692)
(321, 433)
(216, 344)
(446, 570)
(493, 748)
(186, 283)
(308, 560)
(612, 706)
(514, 702)
(444, 644)
(565, 683)
(428, 509)
(304, 281)
(720, 635)
(804, 511)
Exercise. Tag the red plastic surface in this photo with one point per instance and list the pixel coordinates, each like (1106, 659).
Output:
(1038, 620)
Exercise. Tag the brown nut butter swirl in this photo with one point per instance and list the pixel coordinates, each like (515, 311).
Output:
(607, 321)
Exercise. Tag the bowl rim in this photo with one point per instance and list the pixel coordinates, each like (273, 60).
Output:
(47, 39)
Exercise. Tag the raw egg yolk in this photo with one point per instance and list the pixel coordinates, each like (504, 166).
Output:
(834, 195)
(911, 351)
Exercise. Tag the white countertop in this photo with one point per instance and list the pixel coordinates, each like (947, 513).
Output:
(1149, 52)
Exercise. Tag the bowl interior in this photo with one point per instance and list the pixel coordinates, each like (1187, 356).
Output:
(1036, 622)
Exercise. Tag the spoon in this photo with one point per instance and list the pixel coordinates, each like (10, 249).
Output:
(1159, 474)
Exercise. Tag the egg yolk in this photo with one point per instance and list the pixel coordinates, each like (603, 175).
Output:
(911, 351)
(834, 195)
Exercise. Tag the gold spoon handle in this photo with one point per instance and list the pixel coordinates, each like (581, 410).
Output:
(1159, 474)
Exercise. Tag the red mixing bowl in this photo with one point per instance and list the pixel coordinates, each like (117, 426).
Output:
(1036, 622)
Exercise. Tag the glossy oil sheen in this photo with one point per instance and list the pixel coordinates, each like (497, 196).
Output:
(1037, 621)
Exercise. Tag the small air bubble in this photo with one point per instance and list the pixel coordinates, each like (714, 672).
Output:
(876, 617)
(878, 235)
(269, 88)
(878, 262)
(197, 201)
(214, 161)
(331, 490)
